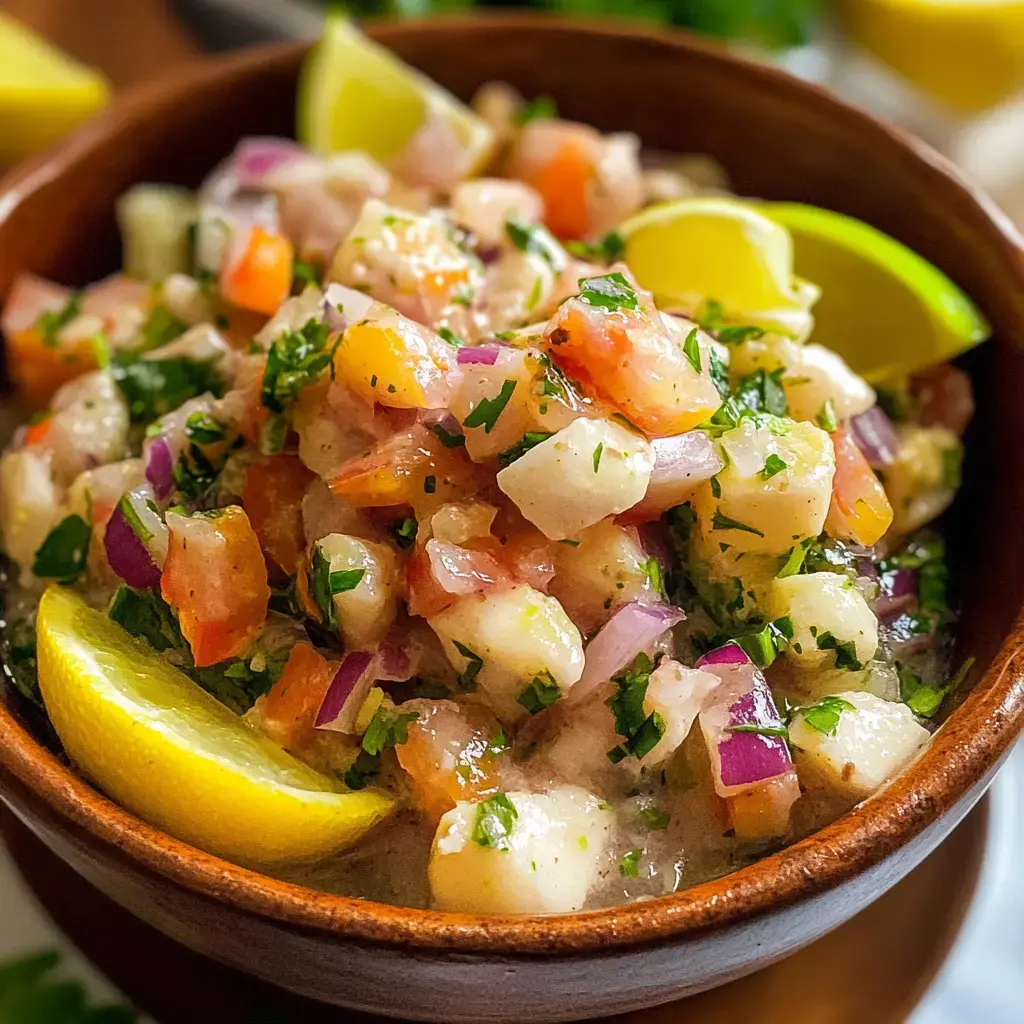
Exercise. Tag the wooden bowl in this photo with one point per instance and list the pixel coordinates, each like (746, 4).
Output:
(779, 139)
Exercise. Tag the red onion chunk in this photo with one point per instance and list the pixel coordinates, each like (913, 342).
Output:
(633, 629)
(742, 760)
(126, 551)
(899, 591)
(394, 664)
(680, 463)
(345, 695)
(461, 571)
(160, 467)
(257, 157)
(484, 355)
(729, 654)
(875, 436)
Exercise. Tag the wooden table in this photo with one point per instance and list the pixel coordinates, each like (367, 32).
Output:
(129, 40)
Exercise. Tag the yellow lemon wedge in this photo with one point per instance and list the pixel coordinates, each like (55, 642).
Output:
(169, 752)
(967, 53)
(689, 251)
(43, 93)
(883, 308)
(354, 94)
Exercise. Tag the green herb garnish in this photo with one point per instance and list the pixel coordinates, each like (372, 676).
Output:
(344, 580)
(448, 439)
(486, 412)
(542, 692)
(641, 731)
(448, 335)
(63, 554)
(467, 677)
(824, 716)
(405, 533)
(846, 651)
(723, 522)
(537, 239)
(826, 418)
(537, 108)
(772, 465)
(691, 349)
(202, 428)
(611, 291)
(51, 323)
(654, 819)
(629, 864)
(598, 451)
(495, 820)
(528, 441)
(295, 360)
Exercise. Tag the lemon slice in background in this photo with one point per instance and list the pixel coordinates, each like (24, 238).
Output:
(967, 53)
(172, 754)
(43, 93)
(883, 308)
(690, 250)
(354, 94)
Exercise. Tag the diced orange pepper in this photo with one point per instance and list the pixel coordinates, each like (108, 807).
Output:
(289, 710)
(36, 433)
(860, 511)
(564, 183)
(272, 497)
(261, 278)
(38, 369)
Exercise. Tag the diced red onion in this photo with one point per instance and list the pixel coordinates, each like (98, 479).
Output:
(633, 629)
(160, 467)
(134, 539)
(255, 158)
(729, 654)
(899, 589)
(394, 664)
(680, 463)
(461, 571)
(349, 687)
(875, 435)
(484, 355)
(741, 760)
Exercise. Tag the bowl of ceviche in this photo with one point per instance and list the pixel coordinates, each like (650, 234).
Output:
(529, 525)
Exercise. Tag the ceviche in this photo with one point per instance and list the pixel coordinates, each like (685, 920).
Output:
(396, 523)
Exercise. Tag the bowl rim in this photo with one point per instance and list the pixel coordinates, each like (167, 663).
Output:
(964, 751)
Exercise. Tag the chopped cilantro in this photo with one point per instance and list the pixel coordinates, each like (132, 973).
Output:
(52, 322)
(846, 651)
(495, 820)
(761, 730)
(63, 554)
(542, 692)
(344, 580)
(195, 474)
(145, 614)
(485, 414)
(629, 864)
(722, 522)
(691, 349)
(295, 360)
(716, 487)
(499, 744)
(795, 560)
(597, 456)
(540, 107)
(932, 584)
(952, 467)
(772, 465)
(529, 440)
(826, 418)
(467, 677)
(763, 646)
(389, 727)
(305, 273)
(154, 387)
(654, 819)
(640, 731)
(653, 571)
(202, 428)
(537, 239)
(824, 716)
(320, 588)
(740, 333)
(405, 532)
(448, 439)
(448, 335)
(719, 372)
(273, 434)
(161, 328)
(611, 291)
(608, 250)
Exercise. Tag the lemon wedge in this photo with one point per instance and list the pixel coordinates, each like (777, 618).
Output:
(969, 54)
(354, 94)
(43, 93)
(691, 250)
(170, 753)
(883, 308)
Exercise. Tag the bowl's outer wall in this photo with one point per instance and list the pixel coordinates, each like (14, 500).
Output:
(778, 140)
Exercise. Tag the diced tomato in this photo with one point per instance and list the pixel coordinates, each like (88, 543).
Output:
(288, 712)
(258, 274)
(272, 497)
(216, 579)
(412, 468)
(564, 185)
(860, 511)
(628, 358)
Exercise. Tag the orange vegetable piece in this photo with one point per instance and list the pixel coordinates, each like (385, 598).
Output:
(860, 511)
(36, 433)
(289, 710)
(564, 184)
(216, 579)
(272, 497)
(260, 279)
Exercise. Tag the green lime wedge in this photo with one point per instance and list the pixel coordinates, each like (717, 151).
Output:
(354, 94)
(43, 93)
(883, 308)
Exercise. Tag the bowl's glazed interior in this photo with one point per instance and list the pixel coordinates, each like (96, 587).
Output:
(778, 139)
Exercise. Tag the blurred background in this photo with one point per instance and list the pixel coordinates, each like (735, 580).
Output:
(950, 70)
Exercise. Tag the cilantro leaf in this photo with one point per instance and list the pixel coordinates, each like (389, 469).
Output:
(610, 291)
(450, 440)
(295, 360)
(537, 239)
(846, 651)
(654, 819)
(486, 412)
(723, 522)
(345, 580)
(154, 387)
(52, 322)
(535, 109)
(772, 465)
(641, 731)
(202, 428)
(608, 250)
(824, 716)
(691, 349)
(826, 418)
(404, 533)
(495, 820)
(160, 328)
(529, 440)
(542, 692)
(467, 677)
(147, 616)
(629, 864)
(62, 555)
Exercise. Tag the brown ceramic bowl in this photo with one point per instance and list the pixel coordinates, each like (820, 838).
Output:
(779, 139)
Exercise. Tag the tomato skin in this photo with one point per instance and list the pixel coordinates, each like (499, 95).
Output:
(216, 579)
(272, 496)
(288, 712)
(860, 511)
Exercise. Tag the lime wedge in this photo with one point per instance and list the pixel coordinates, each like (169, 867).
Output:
(43, 93)
(691, 250)
(354, 94)
(169, 752)
(883, 308)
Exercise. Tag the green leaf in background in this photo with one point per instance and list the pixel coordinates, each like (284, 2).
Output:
(29, 994)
